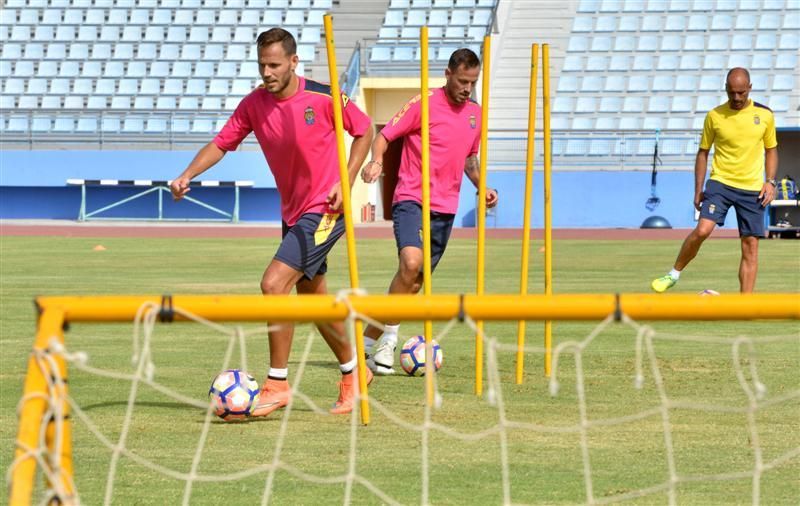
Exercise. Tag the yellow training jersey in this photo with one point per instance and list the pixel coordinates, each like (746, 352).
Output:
(739, 139)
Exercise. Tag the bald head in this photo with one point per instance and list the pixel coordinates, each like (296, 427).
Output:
(737, 86)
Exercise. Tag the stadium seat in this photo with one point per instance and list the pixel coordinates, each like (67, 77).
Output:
(651, 23)
(769, 22)
(601, 43)
(567, 83)
(437, 18)
(707, 102)
(606, 24)
(596, 63)
(40, 124)
(576, 43)
(633, 104)
(123, 51)
(403, 53)
(647, 43)
(87, 33)
(628, 24)
(779, 103)
(630, 123)
(173, 86)
(790, 41)
(211, 104)
(607, 123)
(12, 51)
(380, 53)
(615, 83)
(86, 124)
(28, 102)
(610, 104)
(642, 62)
(165, 103)
(690, 62)
(786, 61)
(714, 62)
(738, 60)
(582, 24)
(583, 123)
(783, 82)
(746, 22)
(460, 18)
(759, 82)
(663, 82)
(766, 42)
(591, 84)
(562, 104)
(681, 103)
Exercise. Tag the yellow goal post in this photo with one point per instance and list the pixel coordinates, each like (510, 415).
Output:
(44, 408)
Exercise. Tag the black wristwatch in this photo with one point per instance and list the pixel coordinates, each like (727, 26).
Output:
(773, 182)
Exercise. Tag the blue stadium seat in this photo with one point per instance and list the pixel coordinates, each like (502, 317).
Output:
(393, 18)
(783, 82)
(591, 84)
(663, 82)
(710, 83)
(228, 17)
(28, 102)
(747, 22)
(628, 24)
(725, 5)
(766, 41)
(790, 41)
(606, 24)
(578, 43)
(642, 62)
(611, 104)
(562, 104)
(119, 102)
(165, 102)
(123, 51)
(380, 53)
(86, 124)
(59, 86)
(211, 104)
(460, 17)
(707, 102)
(619, 63)
(582, 24)
(14, 86)
(682, 103)
(583, 123)
(607, 123)
(12, 51)
(742, 42)
(638, 83)
(759, 82)
(133, 125)
(714, 62)
(738, 60)
(721, 22)
(40, 124)
(567, 83)
(690, 62)
(625, 43)
(686, 82)
(671, 43)
(648, 43)
(786, 61)
(74, 102)
(769, 22)
(761, 61)
(87, 33)
(139, 17)
(779, 103)
(437, 18)
(82, 86)
(651, 23)
(615, 83)
(601, 43)
(596, 63)
(117, 17)
(51, 102)
(403, 53)
(717, 42)
(630, 123)
(675, 23)
(204, 69)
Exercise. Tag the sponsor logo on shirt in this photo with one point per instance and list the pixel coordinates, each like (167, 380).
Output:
(756, 120)
(406, 107)
(309, 115)
(472, 121)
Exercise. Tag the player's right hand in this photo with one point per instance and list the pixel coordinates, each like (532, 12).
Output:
(371, 171)
(698, 199)
(179, 187)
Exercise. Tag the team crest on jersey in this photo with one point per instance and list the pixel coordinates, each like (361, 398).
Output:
(309, 115)
(756, 120)
(472, 121)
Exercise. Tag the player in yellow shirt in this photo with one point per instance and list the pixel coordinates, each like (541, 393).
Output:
(743, 133)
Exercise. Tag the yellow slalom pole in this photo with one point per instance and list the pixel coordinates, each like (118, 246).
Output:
(526, 217)
(426, 199)
(347, 210)
(481, 211)
(548, 215)
(36, 396)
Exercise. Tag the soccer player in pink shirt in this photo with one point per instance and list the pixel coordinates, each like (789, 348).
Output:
(454, 139)
(292, 119)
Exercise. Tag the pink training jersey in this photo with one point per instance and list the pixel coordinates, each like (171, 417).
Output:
(454, 135)
(298, 139)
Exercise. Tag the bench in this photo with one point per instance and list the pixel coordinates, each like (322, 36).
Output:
(160, 187)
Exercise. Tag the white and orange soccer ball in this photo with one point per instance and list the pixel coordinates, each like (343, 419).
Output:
(233, 394)
(412, 356)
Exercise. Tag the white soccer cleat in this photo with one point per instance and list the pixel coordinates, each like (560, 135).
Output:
(381, 362)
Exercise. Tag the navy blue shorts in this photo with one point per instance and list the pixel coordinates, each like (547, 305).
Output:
(718, 198)
(306, 244)
(407, 218)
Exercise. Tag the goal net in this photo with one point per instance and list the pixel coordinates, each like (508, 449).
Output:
(682, 411)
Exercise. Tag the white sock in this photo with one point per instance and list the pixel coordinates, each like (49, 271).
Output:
(674, 274)
(390, 333)
(278, 374)
(348, 366)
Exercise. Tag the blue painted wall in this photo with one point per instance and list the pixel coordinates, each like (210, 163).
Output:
(32, 185)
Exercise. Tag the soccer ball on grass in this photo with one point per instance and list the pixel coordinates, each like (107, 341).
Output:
(412, 356)
(233, 394)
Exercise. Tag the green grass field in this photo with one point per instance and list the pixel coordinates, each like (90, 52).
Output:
(545, 467)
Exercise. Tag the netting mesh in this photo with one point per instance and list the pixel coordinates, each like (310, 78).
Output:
(668, 413)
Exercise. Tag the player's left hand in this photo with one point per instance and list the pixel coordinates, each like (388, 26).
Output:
(491, 198)
(335, 197)
(767, 194)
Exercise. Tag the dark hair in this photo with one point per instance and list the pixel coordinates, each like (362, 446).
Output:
(463, 56)
(737, 69)
(274, 35)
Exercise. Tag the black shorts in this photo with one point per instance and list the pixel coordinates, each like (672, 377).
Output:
(407, 218)
(306, 244)
(718, 198)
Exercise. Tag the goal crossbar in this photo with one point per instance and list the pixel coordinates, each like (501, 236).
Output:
(774, 306)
